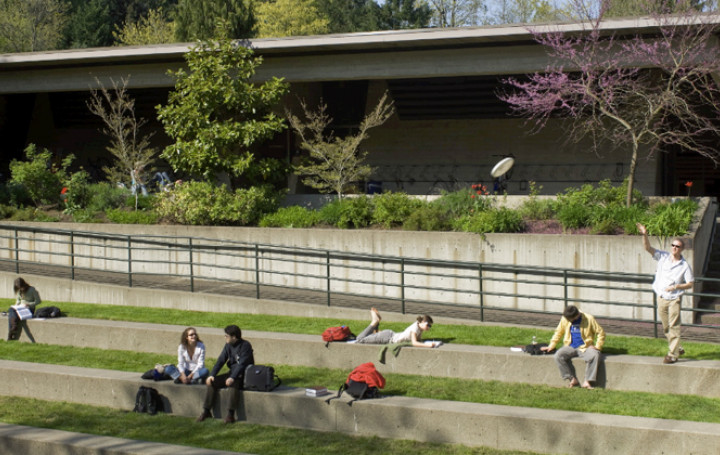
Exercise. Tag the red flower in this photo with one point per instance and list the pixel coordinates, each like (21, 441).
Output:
(64, 190)
(472, 196)
(688, 184)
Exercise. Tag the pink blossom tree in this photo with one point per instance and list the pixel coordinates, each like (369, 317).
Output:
(641, 93)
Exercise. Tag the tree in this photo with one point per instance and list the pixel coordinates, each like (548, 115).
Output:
(152, 29)
(595, 82)
(290, 18)
(88, 24)
(347, 16)
(131, 150)
(526, 11)
(215, 114)
(403, 14)
(196, 19)
(31, 25)
(456, 13)
(335, 163)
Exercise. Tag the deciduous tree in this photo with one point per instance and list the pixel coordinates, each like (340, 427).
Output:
(290, 18)
(151, 29)
(335, 163)
(215, 114)
(196, 19)
(456, 13)
(403, 14)
(347, 16)
(31, 25)
(527, 11)
(635, 93)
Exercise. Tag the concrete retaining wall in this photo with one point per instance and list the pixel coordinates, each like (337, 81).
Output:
(619, 372)
(470, 424)
(18, 439)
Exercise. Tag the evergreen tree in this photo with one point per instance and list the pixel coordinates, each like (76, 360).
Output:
(348, 16)
(403, 14)
(89, 24)
(196, 19)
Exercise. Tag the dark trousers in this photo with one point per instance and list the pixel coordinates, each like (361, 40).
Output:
(14, 324)
(217, 384)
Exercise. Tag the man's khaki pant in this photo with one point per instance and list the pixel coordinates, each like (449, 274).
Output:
(670, 317)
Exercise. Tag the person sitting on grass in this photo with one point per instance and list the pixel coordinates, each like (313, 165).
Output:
(579, 330)
(412, 334)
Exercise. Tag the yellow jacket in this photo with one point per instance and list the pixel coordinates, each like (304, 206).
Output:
(588, 329)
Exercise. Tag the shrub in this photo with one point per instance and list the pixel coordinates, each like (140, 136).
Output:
(291, 217)
(121, 216)
(573, 215)
(139, 201)
(463, 202)
(534, 209)
(202, 203)
(428, 217)
(6, 211)
(330, 213)
(105, 196)
(32, 214)
(670, 220)
(40, 178)
(494, 220)
(77, 192)
(611, 219)
(355, 212)
(392, 209)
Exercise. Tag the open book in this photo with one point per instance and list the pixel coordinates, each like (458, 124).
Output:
(437, 343)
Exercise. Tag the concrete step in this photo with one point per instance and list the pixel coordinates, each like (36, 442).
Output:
(618, 372)
(19, 439)
(469, 424)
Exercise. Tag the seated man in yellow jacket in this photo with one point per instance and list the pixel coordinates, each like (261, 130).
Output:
(579, 330)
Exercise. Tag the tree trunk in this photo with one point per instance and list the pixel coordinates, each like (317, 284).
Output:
(631, 175)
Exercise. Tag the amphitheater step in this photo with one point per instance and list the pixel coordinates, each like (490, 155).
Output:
(618, 372)
(470, 424)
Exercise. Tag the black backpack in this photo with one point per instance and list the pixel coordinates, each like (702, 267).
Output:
(357, 390)
(260, 378)
(48, 312)
(147, 400)
(534, 349)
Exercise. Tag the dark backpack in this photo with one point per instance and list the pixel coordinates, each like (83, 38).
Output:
(260, 378)
(341, 333)
(147, 400)
(363, 382)
(534, 349)
(48, 312)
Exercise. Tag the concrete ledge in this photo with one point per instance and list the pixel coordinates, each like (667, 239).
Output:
(16, 439)
(621, 372)
(470, 424)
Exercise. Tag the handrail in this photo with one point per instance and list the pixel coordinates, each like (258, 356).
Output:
(505, 288)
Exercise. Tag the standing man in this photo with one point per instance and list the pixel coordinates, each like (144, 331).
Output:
(579, 330)
(672, 278)
(237, 354)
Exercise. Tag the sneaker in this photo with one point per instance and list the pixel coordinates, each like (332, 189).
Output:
(203, 416)
(681, 351)
(230, 418)
(669, 359)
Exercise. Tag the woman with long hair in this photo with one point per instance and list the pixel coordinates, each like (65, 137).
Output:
(26, 296)
(191, 358)
(412, 334)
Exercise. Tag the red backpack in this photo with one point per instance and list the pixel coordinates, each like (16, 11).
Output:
(341, 333)
(363, 382)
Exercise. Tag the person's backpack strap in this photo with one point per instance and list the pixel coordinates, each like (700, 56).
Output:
(140, 400)
(357, 390)
(340, 391)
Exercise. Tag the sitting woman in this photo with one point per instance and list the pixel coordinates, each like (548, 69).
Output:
(26, 297)
(413, 334)
(191, 358)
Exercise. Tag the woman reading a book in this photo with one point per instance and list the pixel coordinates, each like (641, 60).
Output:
(412, 334)
(27, 298)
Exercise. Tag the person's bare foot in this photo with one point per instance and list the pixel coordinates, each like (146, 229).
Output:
(573, 383)
(587, 385)
(375, 315)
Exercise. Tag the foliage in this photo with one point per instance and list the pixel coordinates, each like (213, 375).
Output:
(290, 18)
(202, 203)
(215, 114)
(527, 11)
(456, 13)
(140, 202)
(354, 212)
(499, 219)
(335, 163)
(31, 25)
(268, 171)
(466, 201)
(670, 220)
(77, 192)
(403, 14)
(121, 216)
(197, 19)
(6, 211)
(89, 24)
(347, 16)
(536, 209)
(428, 217)
(40, 177)
(291, 217)
(151, 29)
(131, 150)
(106, 196)
(392, 209)
(573, 215)
(32, 214)
(671, 104)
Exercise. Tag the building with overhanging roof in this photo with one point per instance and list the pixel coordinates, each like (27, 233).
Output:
(448, 131)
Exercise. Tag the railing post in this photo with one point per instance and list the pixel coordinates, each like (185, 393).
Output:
(190, 260)
(327, 271)
(402, 285)
(565, 289)
(480, 292)
(129, 259)
(72, 255)
(655, 315)
(17, 253)
(257, 271)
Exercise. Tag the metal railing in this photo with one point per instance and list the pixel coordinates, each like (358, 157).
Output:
(186, 263)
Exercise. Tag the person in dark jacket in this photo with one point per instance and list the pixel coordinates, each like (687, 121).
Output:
(237, 354)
